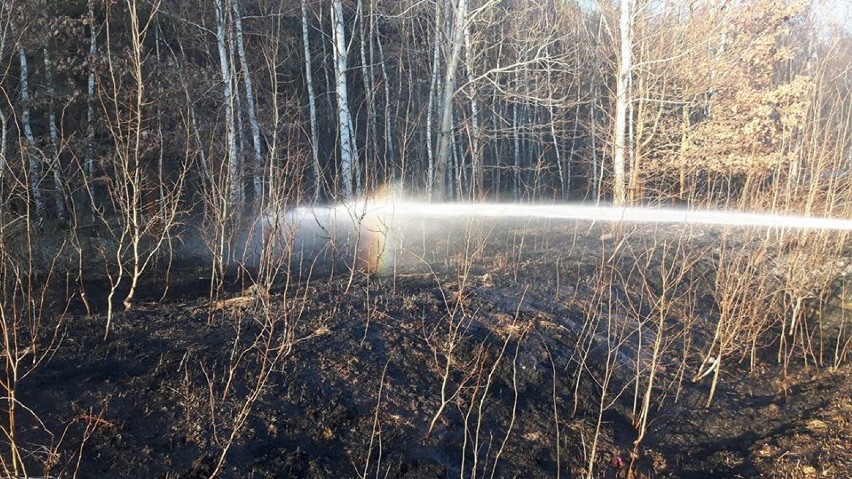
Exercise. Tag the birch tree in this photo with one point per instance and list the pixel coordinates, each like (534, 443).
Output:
(250, 102)
(34, 167)
(475, 154)
(234, 180)
(3, 129)
(445, 133)
(312, 103)
(89, 153)
(4, 120)
(619, 197)
(389, 145)
(366, 32)
(434, 86)
(55, 165)
(348, 153)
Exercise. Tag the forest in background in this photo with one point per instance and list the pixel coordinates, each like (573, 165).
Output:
(150, 106)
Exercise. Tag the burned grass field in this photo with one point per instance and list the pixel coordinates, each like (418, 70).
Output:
(480, 348)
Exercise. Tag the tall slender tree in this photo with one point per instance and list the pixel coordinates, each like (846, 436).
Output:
(254, 125)
(348, 152)
(33, 162)
(445, 132)
(312, 104)
(619, 196)
(53, 160)
(234, 180)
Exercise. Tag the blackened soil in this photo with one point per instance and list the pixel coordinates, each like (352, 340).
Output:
(344, 375)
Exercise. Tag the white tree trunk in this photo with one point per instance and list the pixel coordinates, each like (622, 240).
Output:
(446, 131)
(250, 104)
(563, 187)
(89, 160)
(389, 149)
(622, 99)
(367, 76)
(3, 119)
(35, 171)
(348, 154)
(55, 166)
(594, 134)
(434, 86)
(312, 104)
(3, 130)
(516, 137)
(234, 175)
(475, 154)
(238, 101)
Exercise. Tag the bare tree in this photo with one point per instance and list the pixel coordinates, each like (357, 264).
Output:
(55, 148)
(619, 196)
(250, 103)
(34, 167)
(348, 151)
(89, 153)
(312, 104)
(233, 159)
(445, 132)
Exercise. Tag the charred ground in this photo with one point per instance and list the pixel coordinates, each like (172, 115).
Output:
(533, 331)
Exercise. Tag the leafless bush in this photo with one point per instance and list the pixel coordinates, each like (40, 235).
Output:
(145, 207)
(665, 269)
(31, 329)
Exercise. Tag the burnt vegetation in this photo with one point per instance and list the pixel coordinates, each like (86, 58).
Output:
(177, 299)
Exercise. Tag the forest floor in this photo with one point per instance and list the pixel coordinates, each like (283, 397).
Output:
(493, 311)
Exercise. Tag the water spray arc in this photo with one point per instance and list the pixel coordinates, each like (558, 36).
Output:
(362, 233)
(613, 214)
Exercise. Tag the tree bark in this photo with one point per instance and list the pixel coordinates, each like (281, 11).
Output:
(348, 153)
(3, 130)
(434, 86)
(389, 148)
(89, 158)
(516, 153)
(312, 104)
(446, 130)
(55, 165)
(622, 99)
(257, 183)
(234, 174)
(35, 170)
(371, 147)
(475, 154)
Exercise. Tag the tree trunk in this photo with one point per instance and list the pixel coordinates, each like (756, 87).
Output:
(312, 104)
(55, 165)
(389, 149)
(475, 154)
(35, 170)
(371, 149)
(89, 155)
(3, 118)
(3, 130)
(563, 187)
(434, 86)
(621, 102)
(348, 153)
(596, 166)
(446, 130)
(516, 141)
(257, 183)
(234, 175)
